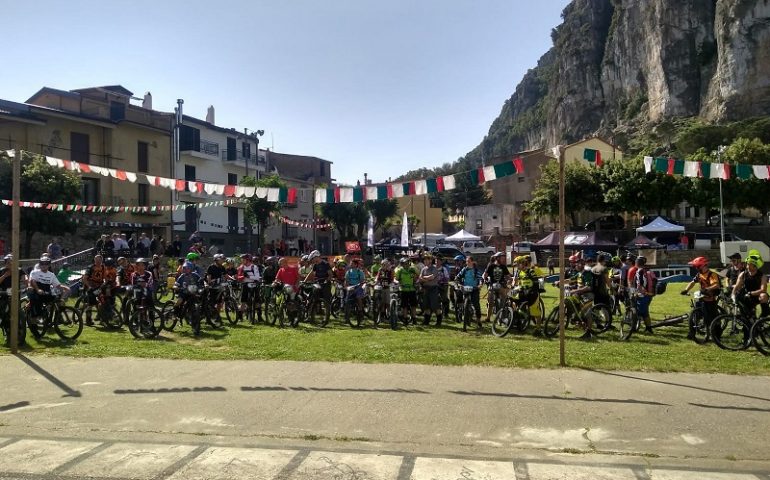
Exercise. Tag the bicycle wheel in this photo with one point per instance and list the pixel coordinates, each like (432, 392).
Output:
(110, 317)
(169, 317)
(194, 315)
(731, 332)
(628, 324)
(551, 325)
(214, 316)
(135, 322)
(469, 314)
(700, 331)
(393, 314)
(90, 314)
(599, 317)
(231, 311)
(502, 321)
(760, 335)
(67, 322)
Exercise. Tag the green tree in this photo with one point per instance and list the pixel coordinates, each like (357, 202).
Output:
(582, 190)
(349, 219)
(43, 183)
(258, 210)
(381, 210)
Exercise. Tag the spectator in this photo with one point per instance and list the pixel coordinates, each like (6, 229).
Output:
(121, 244)
(99, 246)
(176, 247)
(65, 273)
(143, 246)
(301, 245)
(154, 244)
(163, 246)
(109, 246)
(54, 249)
(684, 241)
(551, 264)
(196, 237)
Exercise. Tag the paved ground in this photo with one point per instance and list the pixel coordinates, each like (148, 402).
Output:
(157, 419)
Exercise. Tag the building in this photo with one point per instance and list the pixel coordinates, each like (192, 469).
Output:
(430, 218)
(304, 173)
(213, 154)
(492, 220)
(99, 126)
(575, 151)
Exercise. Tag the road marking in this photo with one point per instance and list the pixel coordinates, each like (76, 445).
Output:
(683, 475)
(453, 469)
(235, 463)
(542, 471)
(40, 456)
(333, 466)
(131, 460)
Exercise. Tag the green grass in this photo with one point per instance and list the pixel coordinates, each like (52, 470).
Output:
(668, 350)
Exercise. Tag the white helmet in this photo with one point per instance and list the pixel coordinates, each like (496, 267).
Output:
(219, 256)
(313, 255)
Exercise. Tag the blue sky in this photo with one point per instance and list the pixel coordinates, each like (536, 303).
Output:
(381, 87)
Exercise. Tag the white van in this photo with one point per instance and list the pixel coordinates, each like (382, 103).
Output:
(431, 239)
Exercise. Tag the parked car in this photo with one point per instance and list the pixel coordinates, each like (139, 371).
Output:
(447, 251)
(477, 248)
(734, 218)
(522, 247)
(606, 222)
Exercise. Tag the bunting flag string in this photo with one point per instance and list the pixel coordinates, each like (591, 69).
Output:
(272, 194)
(60, 207)
(309, 225)
(724, 171)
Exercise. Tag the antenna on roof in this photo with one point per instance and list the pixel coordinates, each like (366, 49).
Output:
(272, 142)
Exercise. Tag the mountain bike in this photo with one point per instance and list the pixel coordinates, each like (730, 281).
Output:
(64, 320)
(732, 330)
(103, 305)
(5, 317)
(144, 320)
(513, 314)
(467, 313)
(701, 330)
(394, 305)
(353, 306)
(580, 312)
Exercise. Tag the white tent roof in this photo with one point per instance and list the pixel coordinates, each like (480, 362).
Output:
(660, 225)
(462, 236)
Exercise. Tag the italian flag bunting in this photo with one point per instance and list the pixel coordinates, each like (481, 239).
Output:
(476, 176)
(593, 156)
(490, 173)
(283, 195)
(504, 169)
(358, 194)
(744, 172)
(705, 170)
(519, 164)
(383, 193)
(661, 164)
(675, 167)
(435, 185)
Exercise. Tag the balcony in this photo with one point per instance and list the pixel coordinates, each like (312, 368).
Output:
(238, 156)
(207, 150)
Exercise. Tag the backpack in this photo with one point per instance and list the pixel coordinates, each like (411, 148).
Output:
(656, 287)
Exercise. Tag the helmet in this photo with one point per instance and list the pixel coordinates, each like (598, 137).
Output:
(574, 258)
(65, 265)
(110, 262)
(403, 261)
(246, 256)
(385, 262)
(45, 259)
(193, 256)
(752, 261)
(629, 256)
(615, 259)
(313, 255)
(378, 258)
(303, 258)
(218, 256)
(187, 265)
(144, 261)
(459, 258)
(698, 262)
(498, 255)
(8, 257)
(643, 260)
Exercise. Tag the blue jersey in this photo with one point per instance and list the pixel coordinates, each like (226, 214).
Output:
(469, 277)
(354, 276)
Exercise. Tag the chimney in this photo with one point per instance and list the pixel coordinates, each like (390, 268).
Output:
(147, 102)
(210, 115)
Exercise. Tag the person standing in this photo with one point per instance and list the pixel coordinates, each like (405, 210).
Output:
(709, 286)
(54, 249)
(429, 277)
(176, 247)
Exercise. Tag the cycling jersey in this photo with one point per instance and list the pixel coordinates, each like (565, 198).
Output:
(249, 273)
(188, 279)
(469, 277)
(288, 276)
(375, 269)
(406, 277)
(124, 274)
(752, 283)
(146, 277)
(385, 277)
(44, 280)
(95, 274)
(707, 282)
(321, 271)
(496, 273)
(339, 273)
(355, 276)
(6, 282)
(526, 278)
(268, 274)
(216, 272)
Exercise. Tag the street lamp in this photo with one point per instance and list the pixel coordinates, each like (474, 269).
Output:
(720, 151)
(254, 135)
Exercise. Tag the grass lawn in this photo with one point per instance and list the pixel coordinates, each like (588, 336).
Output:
(666, 350)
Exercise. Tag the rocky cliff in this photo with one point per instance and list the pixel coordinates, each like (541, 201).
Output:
(628, 64)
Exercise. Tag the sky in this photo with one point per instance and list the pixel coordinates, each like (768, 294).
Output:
(377, 87)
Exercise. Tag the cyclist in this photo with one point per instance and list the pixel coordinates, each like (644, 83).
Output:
(470, 276)
(356, 278)
(643, 284)
(304, 267)
(41, 283)
(454, 269)
(248, 273)
(321, 273)
(142, 277)
(443, 283)
(193, 258)
(385, 279)
(737, 266)
(186, 278)
(93, 278)
(583, 293)
(376, 265)
(527, 278)
(5, 274)
(154, 268)
(751, 288)
(429, 277)
(496, 273)
(124, 271)
(270, 270)
(288, 274)
(406, 276)
(601, 278)
(709, 287)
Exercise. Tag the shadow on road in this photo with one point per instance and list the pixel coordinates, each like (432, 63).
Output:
(170, 390)
(324, 389)
(68, 392)
(674, 384)
(731, 407)
(13, 406)
(555, 397)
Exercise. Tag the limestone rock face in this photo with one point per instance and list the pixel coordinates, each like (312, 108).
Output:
(620, 62)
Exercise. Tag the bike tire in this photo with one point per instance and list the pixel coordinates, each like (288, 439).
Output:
(169, 318)
(551, 325)
(701, 331)
(599, 317)
(214, 317)
(231, 312)
(112, 321)
(67, 323)
(469, 313)
(628, 324)
(393, 314)
(194, 317)
(135, 323)
(760, 335)
(731, 332)
(502, 322)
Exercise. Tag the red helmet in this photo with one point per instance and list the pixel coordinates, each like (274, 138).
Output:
(699, 262)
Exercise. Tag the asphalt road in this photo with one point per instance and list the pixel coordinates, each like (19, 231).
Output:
(409, 416)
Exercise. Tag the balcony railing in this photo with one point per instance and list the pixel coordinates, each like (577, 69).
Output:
(242, 158)
(209, 148)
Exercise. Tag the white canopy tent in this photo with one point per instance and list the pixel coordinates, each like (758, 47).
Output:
(462, 236)
(659, 225)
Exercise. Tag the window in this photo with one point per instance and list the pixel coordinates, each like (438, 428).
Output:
(232, 218)
(232, 153)
(191, 217)
(521, 179)
(143, 195)
(232, 179)
(246, 150)
(322, 172)
(90, 191)
(142, 160)
(189, 138)
(117, 111)
(79, 147)
(189, 175)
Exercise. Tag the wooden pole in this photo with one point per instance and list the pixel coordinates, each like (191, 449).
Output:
(562, 277)
(15, 222)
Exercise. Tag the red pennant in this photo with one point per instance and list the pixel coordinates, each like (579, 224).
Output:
(157, 181)
(519, 164)
(229, 190)
(727, 171)
(121, 175)
(85, 168)
(440, 184)
(411, 188)
(671, 163)
(180, 185)
(481, 175)
(199, 187)
(292, 197)
(390, 190)
(68, 164)
(337, 195)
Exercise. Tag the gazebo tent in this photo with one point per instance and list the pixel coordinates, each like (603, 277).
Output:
(659, 225)
(642, 241)
(575, 241)
(462, 236)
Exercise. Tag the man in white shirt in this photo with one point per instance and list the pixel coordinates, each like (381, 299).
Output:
(41, 281)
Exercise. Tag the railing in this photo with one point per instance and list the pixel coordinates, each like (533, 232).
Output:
(77, 261)
(240, 157)
(209, 148)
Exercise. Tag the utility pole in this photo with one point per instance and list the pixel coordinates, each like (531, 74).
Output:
(15, 224)
(720, 150)
(562, 277)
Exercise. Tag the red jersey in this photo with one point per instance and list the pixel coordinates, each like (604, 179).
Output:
(289, 275)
